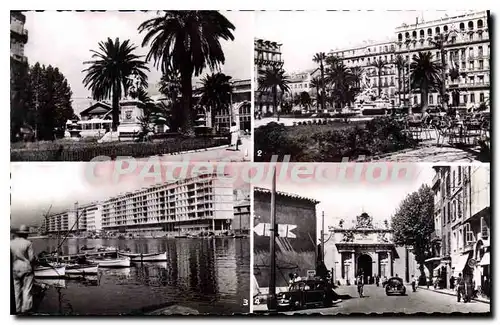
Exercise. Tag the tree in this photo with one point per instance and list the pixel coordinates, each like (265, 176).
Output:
(272, 79)
(357, 75)
(305, 99)
(343, 82)
(413, 224)
(19, 96)
(188, 42)
(216, 92)
(400, 63)
(109, 70)
(320, 59)
(440, 41)
(379, 64)
(316, 83)
(424, 76)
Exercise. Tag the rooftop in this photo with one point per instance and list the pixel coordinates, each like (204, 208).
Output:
(288, 195)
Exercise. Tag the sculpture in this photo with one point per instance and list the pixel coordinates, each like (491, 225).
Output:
(341, 223)
(364, 221)
(381, 237)
(134, 85)
(348, 237)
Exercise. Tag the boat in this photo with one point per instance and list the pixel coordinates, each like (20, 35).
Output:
(56, 283)
(50, 271)
(181, 236)
(81, 269)
(149, 257)
(112, 262)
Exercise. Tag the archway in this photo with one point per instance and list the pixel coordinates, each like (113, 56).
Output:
(365, 266)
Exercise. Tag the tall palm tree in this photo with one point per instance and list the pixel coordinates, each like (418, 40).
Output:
(188, 42)
(379, 64)
(440, 41)
(316, 83)
(216, 91)
(320, 59)
(425, 75)
(357, 75)
(332, 60)
(110, 67)
(305, 99)
(343, 84)
(272, 79)
(400, 63)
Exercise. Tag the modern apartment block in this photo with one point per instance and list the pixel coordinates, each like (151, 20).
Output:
(195, 204)
(462, 224)
(79, 219)
(467, 49)
(18, 36)
(267, 54)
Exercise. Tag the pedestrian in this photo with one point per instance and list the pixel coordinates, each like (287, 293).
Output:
(468, 289)
(414, 283)
(377, 279)
(359, 283)
(460, 288)
(23, 261)
(429, 281)
(452, 282)
(234, 135)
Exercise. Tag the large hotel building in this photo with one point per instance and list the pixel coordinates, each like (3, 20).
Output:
(467, 49)
(195, 204)
(267, 54)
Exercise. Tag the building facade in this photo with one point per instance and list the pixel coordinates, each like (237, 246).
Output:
(81, 218)
(187, 206)
(18, 36)
(467, 49)
(296, 240)
(267, 54)
(367, 249)
(462, 225)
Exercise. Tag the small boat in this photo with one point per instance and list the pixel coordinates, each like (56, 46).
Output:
(181, 236)
(85, 248)
(50, 271)
(81, 269)
(240, 236)
(57, 283)
(150, 257)
(112, 262)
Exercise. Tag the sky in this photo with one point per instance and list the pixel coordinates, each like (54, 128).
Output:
(348, 199)
(305, 33)
(38, 187)
(64, 39)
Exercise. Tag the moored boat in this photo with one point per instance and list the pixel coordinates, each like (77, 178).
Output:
(149, 257)
(112, 262)
(50, 271)
(82, 269)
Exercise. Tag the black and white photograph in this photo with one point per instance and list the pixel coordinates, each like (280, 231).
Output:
(372, 85)
(173, 84)
(130, 247)
(419, 243)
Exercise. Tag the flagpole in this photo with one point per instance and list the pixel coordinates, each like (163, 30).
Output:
(272, 237)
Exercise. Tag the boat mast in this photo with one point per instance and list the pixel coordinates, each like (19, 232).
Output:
(272, 235)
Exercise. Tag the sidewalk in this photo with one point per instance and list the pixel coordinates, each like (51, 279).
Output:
(451, 292)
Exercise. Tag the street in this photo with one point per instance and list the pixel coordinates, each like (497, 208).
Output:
(376, 301)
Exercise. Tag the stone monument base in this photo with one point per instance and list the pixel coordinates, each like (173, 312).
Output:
(131, 110)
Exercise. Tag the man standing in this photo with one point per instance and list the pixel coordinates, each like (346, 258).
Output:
(460, 288)
(414, 283)
(23, 259)
(360, 284)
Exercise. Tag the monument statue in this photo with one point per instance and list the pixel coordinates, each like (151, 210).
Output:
(381, 237)
(364, 221)
(348, 237)
(134, 85)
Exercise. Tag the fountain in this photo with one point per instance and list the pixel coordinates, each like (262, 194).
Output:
(367, 102)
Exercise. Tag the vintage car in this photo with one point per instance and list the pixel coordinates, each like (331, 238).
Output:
(306, 293)
(395, 285)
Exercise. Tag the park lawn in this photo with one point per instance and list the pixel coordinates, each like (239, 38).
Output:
(299, 131)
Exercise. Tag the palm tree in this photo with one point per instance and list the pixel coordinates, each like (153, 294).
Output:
(305, 99)
(216, 92)
(188, 42)
(440, 41)
(316, 83)
(425, 75)
(343, 84)
(357, 75)
(332, 60)
(272, 79)
(109, 71)
(379, 64)
(320, 59)
(400, 63)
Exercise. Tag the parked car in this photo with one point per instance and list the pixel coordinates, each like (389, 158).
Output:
(395, 286)
(306, 293)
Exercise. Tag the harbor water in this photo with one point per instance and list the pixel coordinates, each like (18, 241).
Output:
(203, 275)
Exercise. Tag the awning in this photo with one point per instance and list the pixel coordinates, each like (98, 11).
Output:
(433, 259)
(435, 272)
(485, 260)
(460, 264)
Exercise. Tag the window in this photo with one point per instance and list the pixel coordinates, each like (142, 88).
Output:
(469, 236)
(462, 53)
(454, 180)
(472, 99)
(479, 23)
(462, 27)
(471, 65)
(480, 51)
(454, 210)
(481, 97)
(438, 55)
(453, 39)
(444, 215)
(465, 99)
(455, 241)
(444, 244)
(459, 205)
(480, 36)
(448, 215)
(463, 65)
(481, 64)
(459, 176)
(448, 244)
(471, 37)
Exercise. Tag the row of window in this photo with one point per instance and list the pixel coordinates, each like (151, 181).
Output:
(437, 30)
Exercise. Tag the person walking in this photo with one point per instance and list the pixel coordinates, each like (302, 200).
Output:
(414, 283)
(23, 260)
(460, 288)
(452, 282)
(360, 284)
(234, 135)
(377, 279)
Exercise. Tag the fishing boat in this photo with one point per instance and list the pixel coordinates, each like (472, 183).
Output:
(81, 269)
(50, 271)
(149, 257)
(112, 262)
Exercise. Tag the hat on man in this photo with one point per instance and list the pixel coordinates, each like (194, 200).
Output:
(23, 229)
